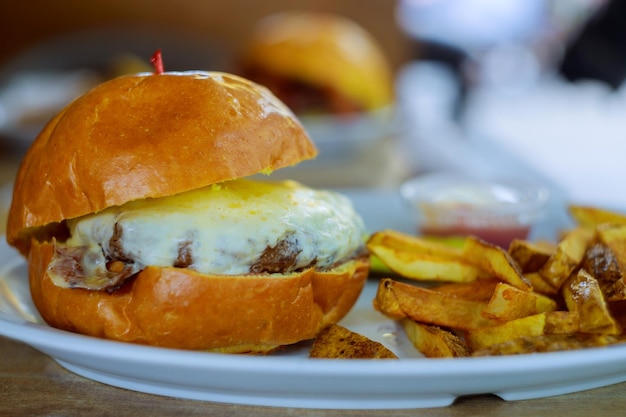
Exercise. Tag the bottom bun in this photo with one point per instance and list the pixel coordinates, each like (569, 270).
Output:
(180, 308)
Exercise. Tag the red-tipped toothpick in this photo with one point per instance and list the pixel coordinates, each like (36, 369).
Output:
(157, 62)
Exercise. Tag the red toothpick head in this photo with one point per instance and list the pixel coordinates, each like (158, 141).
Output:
(157, 62)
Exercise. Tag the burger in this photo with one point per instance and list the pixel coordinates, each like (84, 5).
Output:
(318, 63)
(141, 215)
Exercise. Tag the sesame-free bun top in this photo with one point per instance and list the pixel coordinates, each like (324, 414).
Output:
(324, 50)
(150, 135)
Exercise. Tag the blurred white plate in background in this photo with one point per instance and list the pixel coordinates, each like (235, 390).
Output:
(37, 83)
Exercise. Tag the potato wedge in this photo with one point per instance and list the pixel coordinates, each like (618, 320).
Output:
(531, 256)
(509, 303)
(593, 216)
(411, 243)
(338, 342)
(434, 342)
(540, 285)
(496, 261)
(545, 304)
(583, 296)
(423, 267)
(482, 338)
(399, 300)
(606, 261)
(568, 256)
(480, 290)
(421, 259)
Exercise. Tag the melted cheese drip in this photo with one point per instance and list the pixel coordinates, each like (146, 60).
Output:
(228, 226)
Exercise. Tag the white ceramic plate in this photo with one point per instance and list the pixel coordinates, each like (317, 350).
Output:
(290, 379)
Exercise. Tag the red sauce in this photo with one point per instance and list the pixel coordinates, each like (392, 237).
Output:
(499, 235)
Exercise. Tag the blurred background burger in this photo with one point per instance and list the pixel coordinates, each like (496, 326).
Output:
(319, 63)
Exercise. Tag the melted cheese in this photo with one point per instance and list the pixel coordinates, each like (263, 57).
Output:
(226, 227)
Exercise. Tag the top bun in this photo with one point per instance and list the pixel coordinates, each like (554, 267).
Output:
(324, 50)
(150, 135)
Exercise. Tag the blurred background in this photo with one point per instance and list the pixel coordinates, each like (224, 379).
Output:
(488, 88)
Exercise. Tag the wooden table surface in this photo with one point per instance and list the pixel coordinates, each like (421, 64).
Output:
(32, 384)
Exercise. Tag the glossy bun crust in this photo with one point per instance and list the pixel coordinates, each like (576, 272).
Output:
(150, 135)
(179, 308)
(325, 50)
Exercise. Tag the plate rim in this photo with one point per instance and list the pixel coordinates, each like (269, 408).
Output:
(391, 384)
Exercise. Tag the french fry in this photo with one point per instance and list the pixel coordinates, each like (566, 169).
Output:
(583, 296)
(603, 265)
(569, 253)
(593, 216)
(614, 237)
(482, 338)
(338, 342)
(531, 256)
(606, 261)
(434, 342)
(509, 303)
(426, 267)
(539, 284)
(421, 259)
(411, 243)
(480, 290)
(496, 261)
(545, 304)
(389, 302)
(399, 300)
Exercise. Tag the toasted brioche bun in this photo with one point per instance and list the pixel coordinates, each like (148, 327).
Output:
(147, 135)
(325, 50)
(180, 308)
